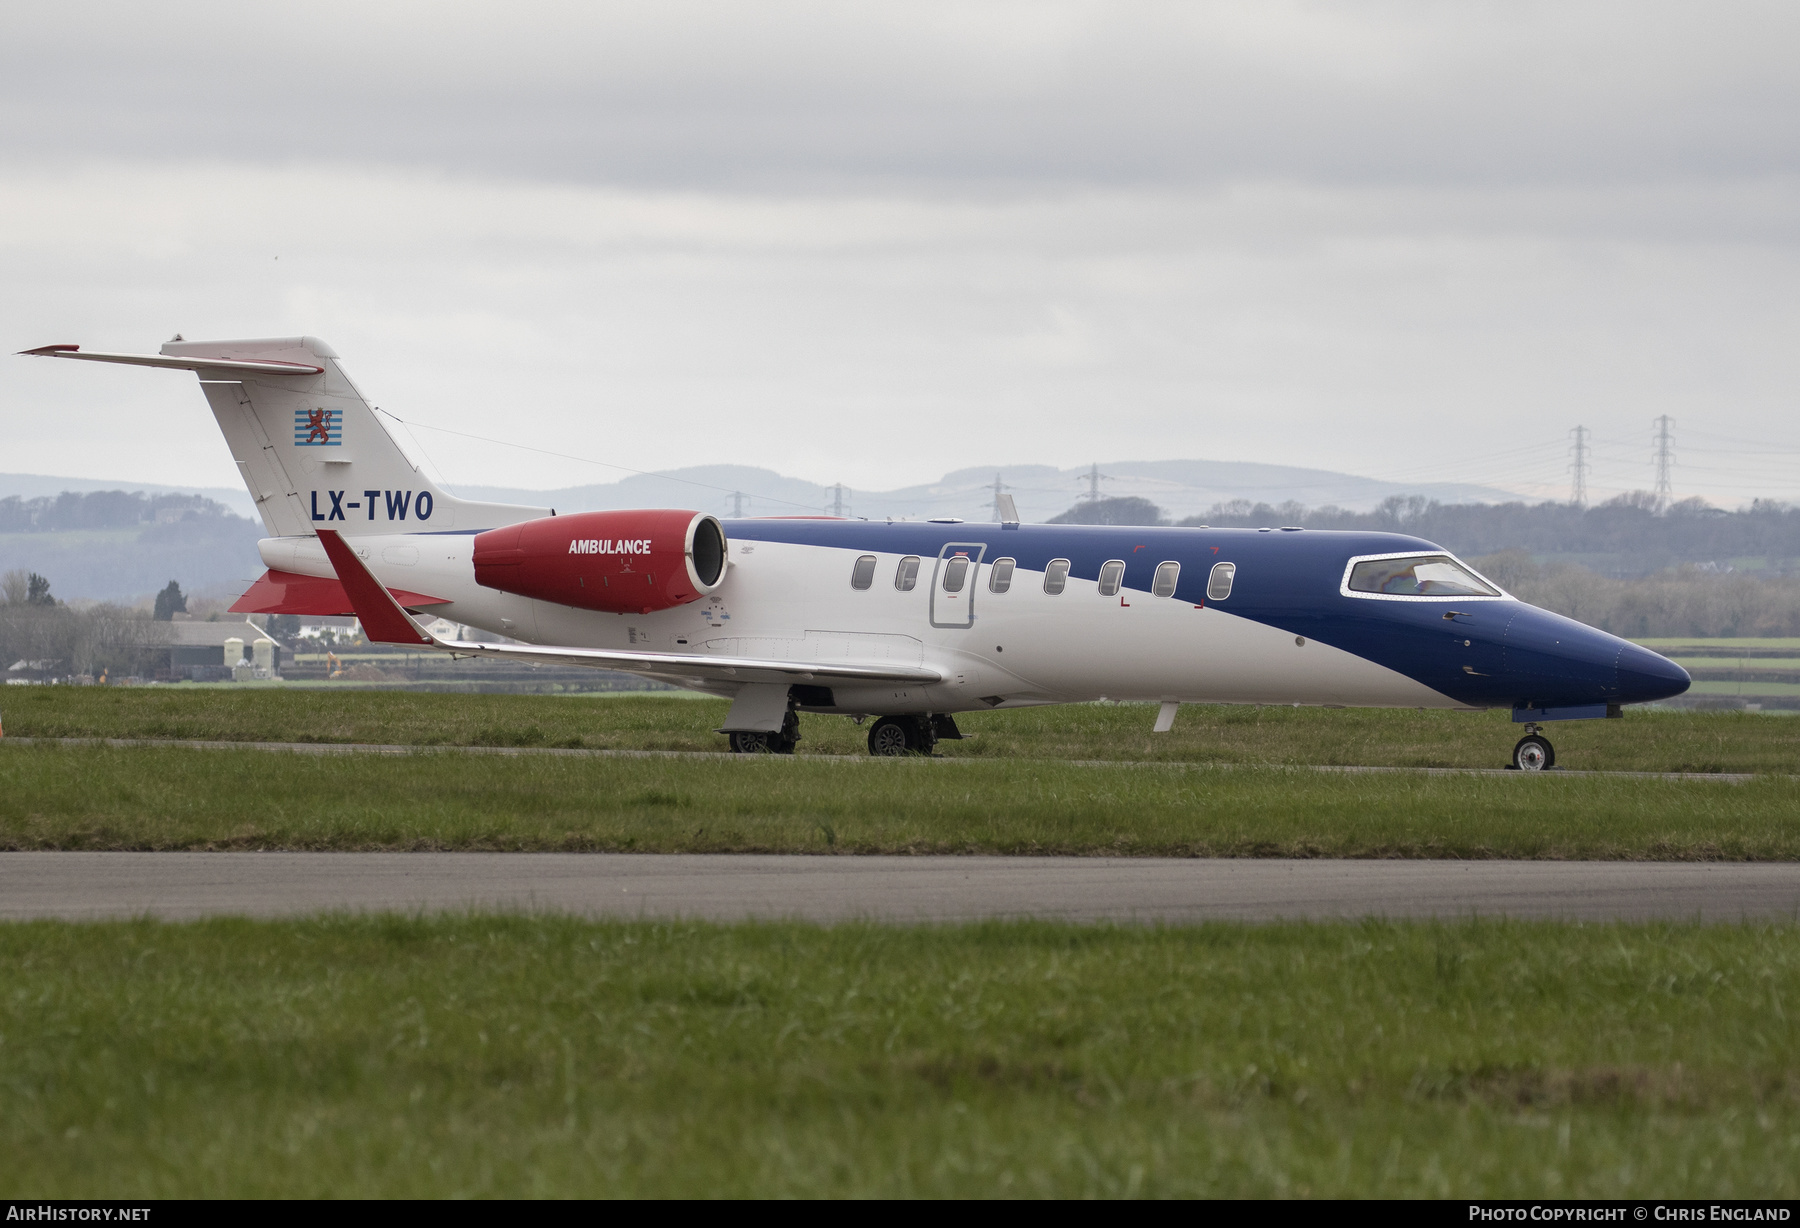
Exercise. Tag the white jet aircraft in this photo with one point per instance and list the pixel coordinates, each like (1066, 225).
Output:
(906, 622)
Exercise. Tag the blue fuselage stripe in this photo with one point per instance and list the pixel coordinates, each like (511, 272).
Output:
(1490, 653)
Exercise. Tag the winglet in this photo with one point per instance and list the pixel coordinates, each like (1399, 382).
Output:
(383, 619)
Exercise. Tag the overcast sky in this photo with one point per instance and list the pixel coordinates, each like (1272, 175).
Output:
(874, 243)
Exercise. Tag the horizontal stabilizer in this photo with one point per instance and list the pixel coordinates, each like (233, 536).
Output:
(306, 441)
(178, 362)
(284, 592)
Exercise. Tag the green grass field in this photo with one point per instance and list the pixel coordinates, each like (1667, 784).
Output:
(1742, 644)
(513, 1055)
(1645, 740)
(1227, 782)
(480, 1055)
(88, 797)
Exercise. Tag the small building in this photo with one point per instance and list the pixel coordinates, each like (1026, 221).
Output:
(25, 673)
(329, 630)
(197, 650)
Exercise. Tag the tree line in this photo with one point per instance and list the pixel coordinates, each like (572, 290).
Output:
(1627, 536)
(1683, 601)
(103, 509)
(1631, 527)
(52, 638)
(1622, 566)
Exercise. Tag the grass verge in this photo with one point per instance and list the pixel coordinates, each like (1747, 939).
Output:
(482, 1055)
(1655, 741)
(91, 797)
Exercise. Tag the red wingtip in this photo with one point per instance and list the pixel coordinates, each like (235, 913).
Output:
(384, 622)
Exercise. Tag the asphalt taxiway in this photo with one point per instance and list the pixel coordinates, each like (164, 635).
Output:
(735, 887)
(398, 749)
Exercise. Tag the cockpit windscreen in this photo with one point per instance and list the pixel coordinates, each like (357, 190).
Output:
(1421, 575)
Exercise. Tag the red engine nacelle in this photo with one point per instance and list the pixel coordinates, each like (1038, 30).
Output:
(621, 562)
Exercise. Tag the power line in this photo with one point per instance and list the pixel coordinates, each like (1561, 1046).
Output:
(1094, 479)
(1665, 457)
(1579, 467)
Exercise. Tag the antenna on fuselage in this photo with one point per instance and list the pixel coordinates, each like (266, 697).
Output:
(1001, 511)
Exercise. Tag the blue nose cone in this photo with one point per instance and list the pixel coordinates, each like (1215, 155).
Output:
(1552, 661)
(1646, 675)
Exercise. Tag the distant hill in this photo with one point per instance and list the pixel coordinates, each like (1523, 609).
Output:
(1180, 487)
(122, 541)
(110, 545)
(37, 486)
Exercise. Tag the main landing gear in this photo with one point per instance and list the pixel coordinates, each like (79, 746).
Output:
(910, 735)
(1534, 752)
(757, 743)
(889, 736)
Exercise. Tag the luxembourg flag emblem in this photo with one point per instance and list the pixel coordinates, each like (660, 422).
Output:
(318, 428)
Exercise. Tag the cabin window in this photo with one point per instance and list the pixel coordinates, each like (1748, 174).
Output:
(956, 573)
(1111, 573)
(907, 574)
(1000, 575)
(1422, 575)
(1218, 584)
(1166, 575)
(1056, 575)
(863, 574)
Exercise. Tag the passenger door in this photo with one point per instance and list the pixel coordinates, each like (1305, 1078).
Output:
(953, 584)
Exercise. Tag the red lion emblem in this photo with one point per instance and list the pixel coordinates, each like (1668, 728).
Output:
(319, 423)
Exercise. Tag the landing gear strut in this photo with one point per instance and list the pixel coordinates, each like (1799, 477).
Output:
(745, 742)
(1534, 752)
(892, 736)
(911, 735)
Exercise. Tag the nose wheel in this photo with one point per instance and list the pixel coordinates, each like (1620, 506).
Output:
(1533, 753)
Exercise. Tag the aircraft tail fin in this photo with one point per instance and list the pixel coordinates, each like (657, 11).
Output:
(310, 448)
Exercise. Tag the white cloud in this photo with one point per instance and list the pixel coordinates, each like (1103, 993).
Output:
(871, 244)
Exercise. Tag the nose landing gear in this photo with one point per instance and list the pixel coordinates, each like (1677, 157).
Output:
(1534, 752)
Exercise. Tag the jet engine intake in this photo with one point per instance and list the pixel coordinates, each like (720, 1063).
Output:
(627, 562)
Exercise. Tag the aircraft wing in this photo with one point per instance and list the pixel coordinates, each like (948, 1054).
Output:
(385, 621)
